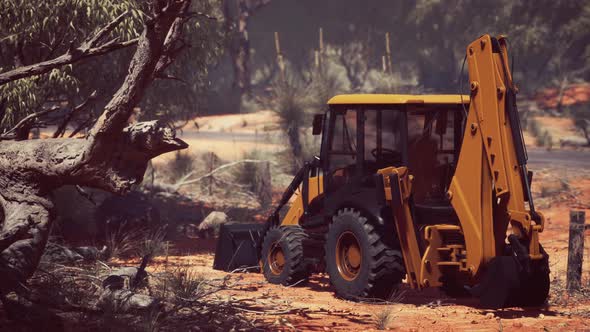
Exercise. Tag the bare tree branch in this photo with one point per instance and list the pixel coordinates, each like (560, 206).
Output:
(184, 180)
(100, 34)
(2, 109)
(87, 49)
(86, 195)
(62, 127)
(169, 19)
(200, 14)
(86, 124)
(21, 130)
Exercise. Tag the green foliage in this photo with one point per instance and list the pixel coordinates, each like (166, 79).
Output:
(34, 30)
(445, 27)
(173, 99)
(548, 39)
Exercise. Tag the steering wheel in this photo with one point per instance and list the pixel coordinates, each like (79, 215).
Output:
(387, 154)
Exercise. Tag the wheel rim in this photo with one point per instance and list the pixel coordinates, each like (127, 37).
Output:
(276, 259)
(348, 256)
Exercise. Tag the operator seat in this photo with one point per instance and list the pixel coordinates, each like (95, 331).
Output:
(430, 204)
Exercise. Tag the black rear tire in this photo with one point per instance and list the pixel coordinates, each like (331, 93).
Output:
(282, 256)
(380, 269)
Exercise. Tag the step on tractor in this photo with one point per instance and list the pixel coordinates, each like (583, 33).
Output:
(430, 189)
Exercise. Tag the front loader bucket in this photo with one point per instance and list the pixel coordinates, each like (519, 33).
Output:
(237, 247)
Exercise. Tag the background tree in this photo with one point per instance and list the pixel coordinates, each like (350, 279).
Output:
(237, 15)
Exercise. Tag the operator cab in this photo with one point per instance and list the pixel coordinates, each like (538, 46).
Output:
(365, 133)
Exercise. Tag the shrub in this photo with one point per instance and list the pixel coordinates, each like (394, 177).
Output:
(548, 140)
(121, 241)
(256, 176)
(545, 139)
(152, 244)
(289, 102)
(534, 127)
(180, 286)
(181, 165)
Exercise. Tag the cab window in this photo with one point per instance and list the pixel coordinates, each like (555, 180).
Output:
(431, 152)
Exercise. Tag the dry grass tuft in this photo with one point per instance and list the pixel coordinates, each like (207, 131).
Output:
(384, 319)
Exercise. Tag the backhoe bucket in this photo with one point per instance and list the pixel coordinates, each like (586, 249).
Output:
(500, 283)
(509, 282)
(237, 247)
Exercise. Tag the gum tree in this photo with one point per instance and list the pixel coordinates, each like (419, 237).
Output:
(113, 156)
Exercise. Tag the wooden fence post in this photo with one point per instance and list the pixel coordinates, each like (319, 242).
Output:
(575, 250)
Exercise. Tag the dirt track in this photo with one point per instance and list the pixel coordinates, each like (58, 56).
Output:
(538, 157)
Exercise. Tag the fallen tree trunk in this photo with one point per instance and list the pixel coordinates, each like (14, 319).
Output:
(113, 157)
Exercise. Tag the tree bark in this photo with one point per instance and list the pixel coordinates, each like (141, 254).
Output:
(113, 157)
(239, 47)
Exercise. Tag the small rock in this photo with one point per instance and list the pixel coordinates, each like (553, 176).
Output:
(474, 322)
(125, 301)
(210, 225)
(123, 278)
(489, 315)
(541, 316)
(90, 253)
(517, 324)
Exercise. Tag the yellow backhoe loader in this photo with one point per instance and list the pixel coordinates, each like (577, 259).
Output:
(433, 189)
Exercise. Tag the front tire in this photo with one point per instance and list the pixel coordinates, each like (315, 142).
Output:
(282, 256)
(362, 260)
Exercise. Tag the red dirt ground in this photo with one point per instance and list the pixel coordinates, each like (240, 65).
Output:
(313, 307)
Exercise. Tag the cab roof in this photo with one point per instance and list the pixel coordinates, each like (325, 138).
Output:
(393, 99)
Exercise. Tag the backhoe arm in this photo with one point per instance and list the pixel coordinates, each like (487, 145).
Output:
(491, 184)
